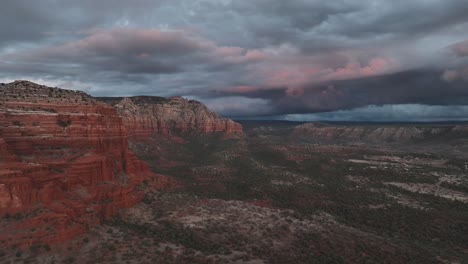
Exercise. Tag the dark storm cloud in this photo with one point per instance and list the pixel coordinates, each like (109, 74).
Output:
(242, 58)
(270, 93)
(315, 26)
(409, 87)
(132, 54)
(120, 49)
(287, 21)
(458, 69)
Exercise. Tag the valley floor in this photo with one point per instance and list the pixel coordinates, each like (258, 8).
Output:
(270, 198)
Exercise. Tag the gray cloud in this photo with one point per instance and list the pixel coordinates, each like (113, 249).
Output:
(461, 48)
(408, 87)
(458, 69)
(244, 58)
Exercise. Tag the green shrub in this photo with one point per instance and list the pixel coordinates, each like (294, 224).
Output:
(64, 123)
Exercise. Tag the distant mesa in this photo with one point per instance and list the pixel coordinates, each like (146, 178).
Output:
(381, 133)
(145, 115)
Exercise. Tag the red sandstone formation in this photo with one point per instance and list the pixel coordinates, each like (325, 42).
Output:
(145, 115)
(64, 163)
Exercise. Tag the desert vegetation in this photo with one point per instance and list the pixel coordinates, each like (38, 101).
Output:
(272, 198)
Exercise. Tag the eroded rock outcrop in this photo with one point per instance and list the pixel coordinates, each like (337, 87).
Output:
(145, 115)
(377, 133)
(64, 163)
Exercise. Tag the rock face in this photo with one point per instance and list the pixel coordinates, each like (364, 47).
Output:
(376, 133)
(64, 163)
(145, 115)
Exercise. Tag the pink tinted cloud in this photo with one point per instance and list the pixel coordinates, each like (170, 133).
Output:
(256, 55)
(267, 68)
(288, 75)
(459, 68)
(241, 89)
(238, 55)
(450, 75)
(122, 42)
(375, 66)
(137, 41)
(144, 44)
(229, 51)
(295, 91)
(331, 96)
(297, 75)
(455, 74)
(461, 48)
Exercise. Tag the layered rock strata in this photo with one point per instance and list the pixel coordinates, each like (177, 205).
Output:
(146, 115)
(64, 163)
(378, 133)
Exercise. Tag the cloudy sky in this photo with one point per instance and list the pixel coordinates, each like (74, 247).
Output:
(296, 59)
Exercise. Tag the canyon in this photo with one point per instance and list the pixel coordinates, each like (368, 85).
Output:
(65, 161)
(164, 180)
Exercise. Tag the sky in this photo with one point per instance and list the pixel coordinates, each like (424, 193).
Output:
(359, 60)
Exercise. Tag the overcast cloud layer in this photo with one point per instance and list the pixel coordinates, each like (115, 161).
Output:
(293, 59)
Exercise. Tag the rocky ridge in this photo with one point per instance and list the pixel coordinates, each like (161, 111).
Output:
(145, 115)
(378, 133)
(64, 163)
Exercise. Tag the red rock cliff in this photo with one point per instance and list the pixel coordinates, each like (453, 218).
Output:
(145, 115)
(64, 163)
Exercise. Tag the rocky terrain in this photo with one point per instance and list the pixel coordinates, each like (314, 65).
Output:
(280, 193)
(145, 115)
(272, 197)
(321, 132)
(64, 163)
